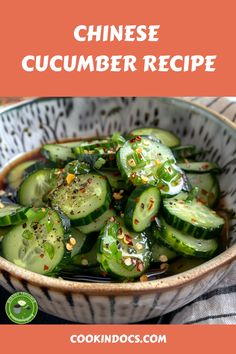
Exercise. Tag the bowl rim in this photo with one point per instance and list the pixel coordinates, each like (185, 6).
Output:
(224, 259)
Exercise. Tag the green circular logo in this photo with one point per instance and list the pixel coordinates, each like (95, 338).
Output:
(21, 308)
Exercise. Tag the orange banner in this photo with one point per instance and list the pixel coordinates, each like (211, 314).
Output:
(189, 34)
(71, 339)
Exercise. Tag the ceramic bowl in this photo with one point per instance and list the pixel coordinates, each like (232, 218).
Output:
(28, 125)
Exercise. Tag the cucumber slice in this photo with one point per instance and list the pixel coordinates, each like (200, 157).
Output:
(143, 204)
(39, 165)
(97, 224)
(58, 153)
(86, 260)
(121, 253)
(72, 144)
(140, 159)
(208, 185)
(3, 231)
(183, 264)
(16, 175)
(184, 151)
(84, 199)
(98, 160)
(160, 252)
(103, 145)
(159, 244)
(165, 136)
(36, 246)
(12, 214)
(114, 178)
(36, 186)
(186, 244)
(81, 242)
(200, 167)
(192, 217)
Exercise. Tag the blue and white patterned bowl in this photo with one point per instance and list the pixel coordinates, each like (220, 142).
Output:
(28, 125)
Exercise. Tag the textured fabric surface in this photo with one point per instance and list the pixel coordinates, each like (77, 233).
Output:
(218, 305)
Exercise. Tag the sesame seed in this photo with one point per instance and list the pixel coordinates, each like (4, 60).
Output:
(163, 258)
(139, 246)
(72, 241)
(139, 150)
(84, 262)
(69, 247)
(128, 261)
(117, 196)
(164, 266)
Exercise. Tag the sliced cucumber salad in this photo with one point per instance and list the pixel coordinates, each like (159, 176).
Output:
(115, 208)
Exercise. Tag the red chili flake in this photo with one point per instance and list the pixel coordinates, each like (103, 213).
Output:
(90, 180)
(151, 203)
(128, 240)
(204, 192)
(201, 201)
(111, 157)
(136, 221)
(139, 266)
(120, 231)
(41, 255)
(153, 218)
(82, 190)
(138, 138)
(45, 267)
(205, 166)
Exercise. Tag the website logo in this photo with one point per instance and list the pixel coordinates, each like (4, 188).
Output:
(21, 308)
